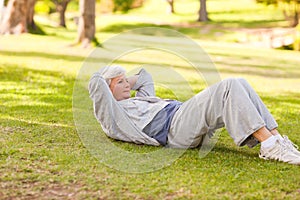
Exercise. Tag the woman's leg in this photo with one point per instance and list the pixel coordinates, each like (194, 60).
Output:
(271, 124)
(262, 134)
(226, 103)
(234, 104)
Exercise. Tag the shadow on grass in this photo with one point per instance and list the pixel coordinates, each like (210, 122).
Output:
(121, 27)
(79, 58)
(42, 55)
(233, 151)
(36, 96)
(284, 97)
(233, 68)
(37, 30)
(48, 118)
(17, 73)
(192, 29)
(247, 24)
(48, 86)
(59, 32)
(277, 67)
(258, 70)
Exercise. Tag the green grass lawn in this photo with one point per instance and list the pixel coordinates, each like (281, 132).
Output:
(43, 157)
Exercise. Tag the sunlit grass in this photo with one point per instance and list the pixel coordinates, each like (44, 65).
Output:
(42, 156)
(41, 151)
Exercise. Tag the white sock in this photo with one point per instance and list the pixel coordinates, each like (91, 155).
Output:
(269, 142)
(279, 137)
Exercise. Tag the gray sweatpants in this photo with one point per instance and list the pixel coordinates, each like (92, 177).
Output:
(231, 103)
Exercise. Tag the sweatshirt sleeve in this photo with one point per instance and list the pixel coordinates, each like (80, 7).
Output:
(106, 109)
(112, 117)
(144, 84)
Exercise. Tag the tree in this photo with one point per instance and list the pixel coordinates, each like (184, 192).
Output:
(203, 16)
(290, 8)
(18, 17)
(86, 24)
(61, 7)
(122, 5)
(171, 6)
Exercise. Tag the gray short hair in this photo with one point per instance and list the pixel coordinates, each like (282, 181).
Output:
(109, 72)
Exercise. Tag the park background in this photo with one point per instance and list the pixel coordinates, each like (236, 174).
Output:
(41, 154)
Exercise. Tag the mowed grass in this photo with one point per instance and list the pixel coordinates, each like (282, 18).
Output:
(43, 157)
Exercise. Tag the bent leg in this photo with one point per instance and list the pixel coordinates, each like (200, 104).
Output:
(271, 124)
(230, 103)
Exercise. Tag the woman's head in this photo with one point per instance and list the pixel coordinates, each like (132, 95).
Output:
(116, 79)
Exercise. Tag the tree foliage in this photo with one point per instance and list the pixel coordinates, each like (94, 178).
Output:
(122, 5)
(290, 8)
(267, 2)
(6, 2)
(119, 5)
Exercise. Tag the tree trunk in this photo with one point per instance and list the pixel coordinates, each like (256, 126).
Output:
(30, 14)
(19, 15)
(61, 8)
(86, 25)
(203, 17)
(171, 6)
(291, 12)
(295, 19)
(2, 10)
(296, 15)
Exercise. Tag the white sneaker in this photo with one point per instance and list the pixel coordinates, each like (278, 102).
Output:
(279, 152)
(293, 147)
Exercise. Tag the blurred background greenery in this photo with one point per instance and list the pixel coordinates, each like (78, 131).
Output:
(267, 23)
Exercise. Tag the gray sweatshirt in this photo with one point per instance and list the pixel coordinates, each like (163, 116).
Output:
(124, 120)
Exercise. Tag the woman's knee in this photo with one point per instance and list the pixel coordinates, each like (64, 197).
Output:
(237, 83)
(243, 81)
(238, 80)
(231, 81)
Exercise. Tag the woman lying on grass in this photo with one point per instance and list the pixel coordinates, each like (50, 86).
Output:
(147, 119)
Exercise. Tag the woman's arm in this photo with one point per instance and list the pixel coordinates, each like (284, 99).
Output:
(143, 84)
(132, 80)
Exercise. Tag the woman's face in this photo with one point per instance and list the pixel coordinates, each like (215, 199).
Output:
(120, 88)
